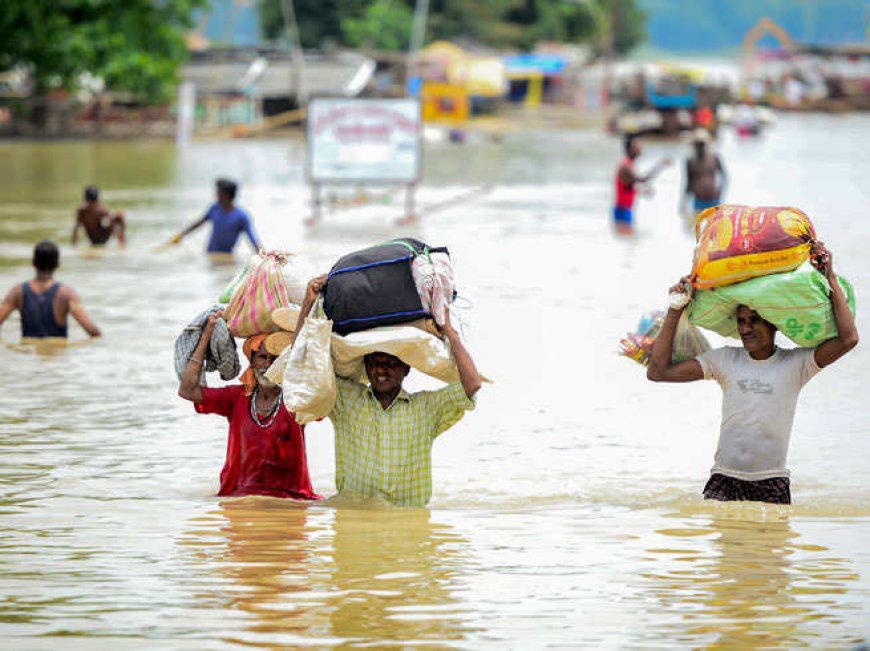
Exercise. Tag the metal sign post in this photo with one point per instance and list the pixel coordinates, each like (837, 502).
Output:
(410, 204)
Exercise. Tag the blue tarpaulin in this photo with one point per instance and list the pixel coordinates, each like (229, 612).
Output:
(542, 64)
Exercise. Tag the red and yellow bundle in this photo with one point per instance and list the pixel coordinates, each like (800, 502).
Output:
(736, 243)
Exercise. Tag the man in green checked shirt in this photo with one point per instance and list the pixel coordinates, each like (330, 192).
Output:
(383, 434)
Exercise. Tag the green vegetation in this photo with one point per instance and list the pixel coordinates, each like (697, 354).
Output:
(386, 24)
(133, 45)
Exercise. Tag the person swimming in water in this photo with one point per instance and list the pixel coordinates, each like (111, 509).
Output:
(43, 302)
(98, 221)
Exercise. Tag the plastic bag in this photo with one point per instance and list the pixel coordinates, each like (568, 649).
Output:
(296, 280)
(227, 294)
(308, 375)
(262, 290)
(689, 341)
(736, 243)
(433, 276)
(796, 303)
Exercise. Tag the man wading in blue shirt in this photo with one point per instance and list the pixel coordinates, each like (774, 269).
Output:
(228, 221)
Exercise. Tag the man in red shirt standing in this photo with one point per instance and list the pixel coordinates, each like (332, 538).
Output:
(266, 446)
(627, 181)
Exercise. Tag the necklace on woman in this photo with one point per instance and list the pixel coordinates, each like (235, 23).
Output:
(273, 411)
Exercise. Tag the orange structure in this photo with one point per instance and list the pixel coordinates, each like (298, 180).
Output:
(761, 29)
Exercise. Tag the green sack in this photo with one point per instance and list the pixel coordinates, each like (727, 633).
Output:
(796, 302)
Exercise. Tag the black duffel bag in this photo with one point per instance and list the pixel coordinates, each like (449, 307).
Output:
(375, 287)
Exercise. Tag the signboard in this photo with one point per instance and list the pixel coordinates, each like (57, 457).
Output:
(364, 140)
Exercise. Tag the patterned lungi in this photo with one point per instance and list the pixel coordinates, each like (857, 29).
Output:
(776, 490)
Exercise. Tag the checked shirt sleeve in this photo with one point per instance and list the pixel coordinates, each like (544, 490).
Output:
(447, 406)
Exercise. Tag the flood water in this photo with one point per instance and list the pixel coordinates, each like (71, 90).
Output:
(567, 509)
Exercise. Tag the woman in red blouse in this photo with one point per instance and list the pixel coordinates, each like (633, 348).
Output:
(266, 446)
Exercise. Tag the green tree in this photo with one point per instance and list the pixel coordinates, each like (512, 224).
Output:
(133, 45)
(562, 21)
(320, 21)
(625, 25)
(385, 25)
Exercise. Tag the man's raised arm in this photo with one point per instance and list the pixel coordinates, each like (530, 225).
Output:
(315, 286)
(189, 387)
(468, 373)
(661, 367)
(847, 333)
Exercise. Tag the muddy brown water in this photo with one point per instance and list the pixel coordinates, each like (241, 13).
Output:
(566, 510)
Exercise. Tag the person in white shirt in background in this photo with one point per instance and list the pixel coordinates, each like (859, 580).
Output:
(760, 385)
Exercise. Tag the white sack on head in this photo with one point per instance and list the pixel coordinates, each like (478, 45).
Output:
(412, 344)
(418, 349)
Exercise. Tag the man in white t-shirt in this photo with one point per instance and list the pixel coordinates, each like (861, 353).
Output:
(760, 385)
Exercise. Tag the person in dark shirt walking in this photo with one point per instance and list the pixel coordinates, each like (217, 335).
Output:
(43, 302)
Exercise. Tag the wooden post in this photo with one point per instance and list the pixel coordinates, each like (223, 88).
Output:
(316, 205)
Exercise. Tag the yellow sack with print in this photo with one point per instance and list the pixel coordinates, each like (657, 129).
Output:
(736, 243)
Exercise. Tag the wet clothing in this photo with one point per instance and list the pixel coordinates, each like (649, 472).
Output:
(625, 193)
(776, 490)
(226, 228)
(260, 460)
(37, 313)
(623, 215)
(703, 205)
(100, 237)
(387, 453)
(220, 355)
(758, 404)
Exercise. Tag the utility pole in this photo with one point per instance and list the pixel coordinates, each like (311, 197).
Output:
(609, 52)
(296, 55)
(421, 12)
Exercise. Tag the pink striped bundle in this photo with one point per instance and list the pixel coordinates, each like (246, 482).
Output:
(264, 289)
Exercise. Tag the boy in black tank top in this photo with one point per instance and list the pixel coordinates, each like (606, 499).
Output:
(43, 302)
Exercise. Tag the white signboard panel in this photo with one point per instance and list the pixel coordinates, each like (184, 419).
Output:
(364, 140)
